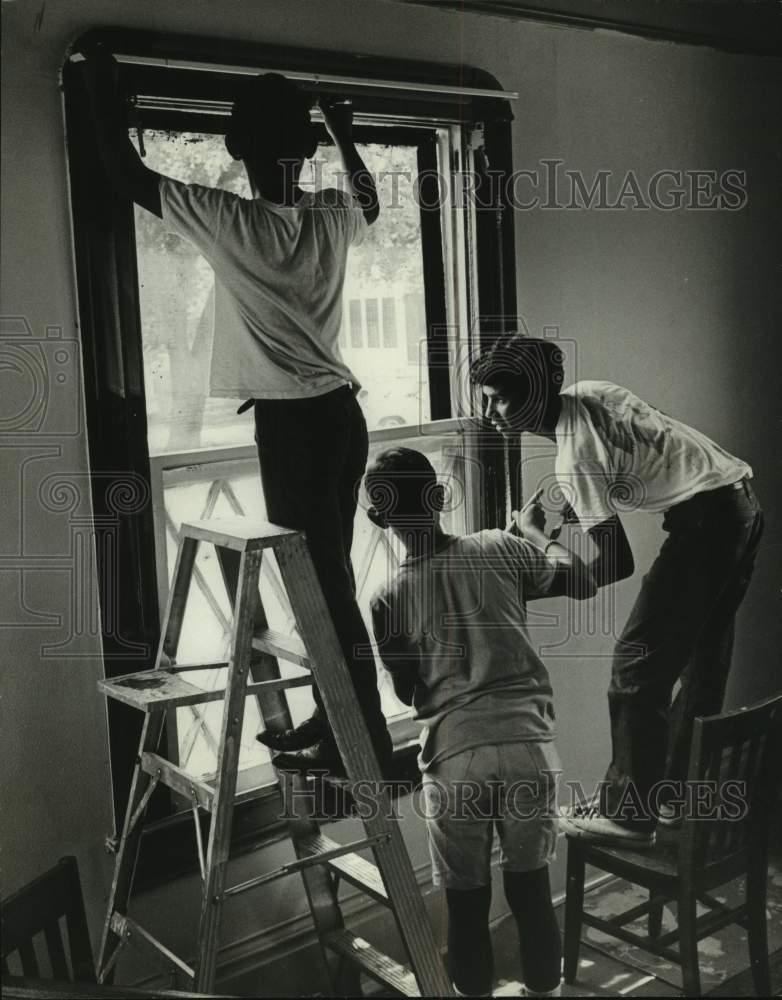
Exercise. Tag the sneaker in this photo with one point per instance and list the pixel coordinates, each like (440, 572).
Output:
(581, 810)
(600, 830)
(670, 815)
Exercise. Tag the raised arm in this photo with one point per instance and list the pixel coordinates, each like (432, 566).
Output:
(572, 577)
(614, 560)
(339, 122)
(128, 174)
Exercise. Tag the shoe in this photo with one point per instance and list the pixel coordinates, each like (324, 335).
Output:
(324, 756)
(581, 810)
(321, 756)
(600, 830)
(299, 738)
(670, 815)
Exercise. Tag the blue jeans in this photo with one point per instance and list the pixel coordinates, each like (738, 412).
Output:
(680, 627)
(312, 454)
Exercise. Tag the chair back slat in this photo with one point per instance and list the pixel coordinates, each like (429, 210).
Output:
(29, 959)
(735, 759)
(56, 950)
(37, 909)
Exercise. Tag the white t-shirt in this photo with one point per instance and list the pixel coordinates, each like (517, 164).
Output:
(278, 292)
(616, 453)
(458, 619)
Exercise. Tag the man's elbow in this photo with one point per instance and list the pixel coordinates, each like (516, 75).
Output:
(583, 586)
(626, 565)
(616, 570)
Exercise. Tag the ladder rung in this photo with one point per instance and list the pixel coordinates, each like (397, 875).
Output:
(285, 647)
(356, 870)
(160, 690)
(319, 850)
(182, 782)
(377, 965)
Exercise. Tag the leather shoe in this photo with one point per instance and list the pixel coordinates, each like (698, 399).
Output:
(298, 738)
(324, 756)
(321, 756)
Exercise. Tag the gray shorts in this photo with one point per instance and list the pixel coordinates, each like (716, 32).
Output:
(510, 787)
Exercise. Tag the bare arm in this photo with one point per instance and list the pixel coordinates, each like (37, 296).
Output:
(572, 578)
(339, 122)
(128, 174)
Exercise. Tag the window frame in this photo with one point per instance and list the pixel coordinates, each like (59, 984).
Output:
(109, 320)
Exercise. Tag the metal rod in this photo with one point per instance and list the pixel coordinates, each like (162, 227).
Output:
(311, 77)
(199, 840)
(143, 803)
(151, 939)
(113, 960)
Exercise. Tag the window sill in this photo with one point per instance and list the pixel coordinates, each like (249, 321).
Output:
(168, 847)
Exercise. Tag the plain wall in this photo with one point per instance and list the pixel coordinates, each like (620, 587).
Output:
(682, 307)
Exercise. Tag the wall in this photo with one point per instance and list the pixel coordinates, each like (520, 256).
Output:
(680, 306)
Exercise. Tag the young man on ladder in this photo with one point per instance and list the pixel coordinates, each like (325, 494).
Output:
(279, 262)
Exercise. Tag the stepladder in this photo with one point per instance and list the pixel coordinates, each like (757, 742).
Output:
(252, 669)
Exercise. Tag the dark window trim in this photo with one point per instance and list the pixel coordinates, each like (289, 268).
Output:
(107, 288)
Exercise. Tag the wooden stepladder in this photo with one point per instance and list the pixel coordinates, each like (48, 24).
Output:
(253, 670)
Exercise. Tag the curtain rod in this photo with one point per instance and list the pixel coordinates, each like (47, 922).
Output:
(433, 88)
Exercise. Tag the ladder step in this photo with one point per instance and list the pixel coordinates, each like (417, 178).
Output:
(354, 869)
(284, 647)
(316, 851)
(373, 962)
(237, 533)
(175, 777)
(161, 690)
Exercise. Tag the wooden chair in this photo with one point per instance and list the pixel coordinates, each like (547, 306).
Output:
(686, 864)
(37, 909)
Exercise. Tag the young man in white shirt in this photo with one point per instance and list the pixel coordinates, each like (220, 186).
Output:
(614, 451)
(279, 262)
(450, 626)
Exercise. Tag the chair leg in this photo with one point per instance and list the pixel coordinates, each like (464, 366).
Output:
(655, 917)
(757, 932)
(574, 904)
(688, 942)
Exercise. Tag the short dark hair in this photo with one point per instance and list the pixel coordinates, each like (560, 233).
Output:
(528, 366)
(273, 110)
(402, 483)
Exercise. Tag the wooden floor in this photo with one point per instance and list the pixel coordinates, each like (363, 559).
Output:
(609, 968)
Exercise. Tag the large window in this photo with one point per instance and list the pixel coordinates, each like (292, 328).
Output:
(432, 276)
(190, 434)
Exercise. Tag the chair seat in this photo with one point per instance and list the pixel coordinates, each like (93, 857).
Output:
(662, 861)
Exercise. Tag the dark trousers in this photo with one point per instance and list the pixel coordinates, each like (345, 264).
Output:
(680, 627)
(313, 453)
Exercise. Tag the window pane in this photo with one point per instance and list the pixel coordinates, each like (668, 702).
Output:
(176, 288)
(221, 489)
(387, 264)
